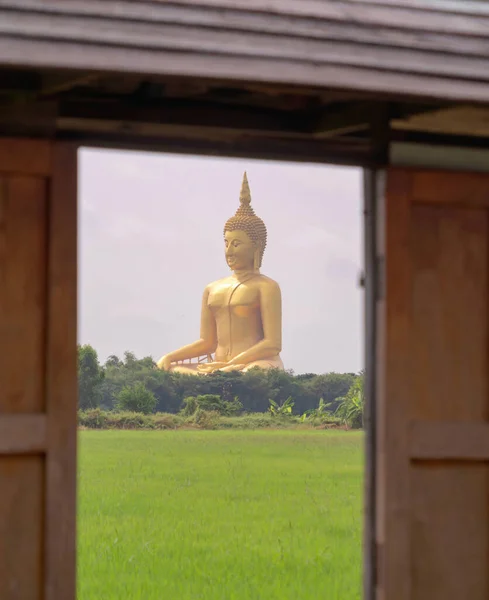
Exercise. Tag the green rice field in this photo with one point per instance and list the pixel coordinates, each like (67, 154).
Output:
(220, 515)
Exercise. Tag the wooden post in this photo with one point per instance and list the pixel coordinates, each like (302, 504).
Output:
(433, 400)
(38, 372)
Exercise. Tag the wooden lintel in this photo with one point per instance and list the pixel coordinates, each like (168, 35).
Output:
(339, 152)
(22, 433)
(184, 113)
(449, 441)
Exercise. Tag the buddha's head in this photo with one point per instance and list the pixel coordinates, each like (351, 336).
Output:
(245, 234)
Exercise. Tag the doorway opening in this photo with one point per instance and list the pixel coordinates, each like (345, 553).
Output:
(262, 491)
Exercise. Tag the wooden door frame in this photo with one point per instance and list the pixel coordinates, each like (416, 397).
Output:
(38, 421)
(20, 434)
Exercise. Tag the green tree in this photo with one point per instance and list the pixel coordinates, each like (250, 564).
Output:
(113, 361)
(350, 407)
(90, 377)
(330, 387)
(136, 398)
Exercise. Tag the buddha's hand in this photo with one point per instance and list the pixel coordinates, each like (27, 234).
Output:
(219, 366)
(164, 363)
(229, 368)
(210, 367)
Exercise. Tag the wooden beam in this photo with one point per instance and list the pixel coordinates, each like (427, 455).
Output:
(449, 441)
(61, 378)
(185, 113)
(337, 152)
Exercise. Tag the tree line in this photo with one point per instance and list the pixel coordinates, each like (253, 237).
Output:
(129, 383)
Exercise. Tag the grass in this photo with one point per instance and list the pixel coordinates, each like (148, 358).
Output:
(220, 515)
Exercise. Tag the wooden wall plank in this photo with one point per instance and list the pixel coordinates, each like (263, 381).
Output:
(15, 153)
(21, 527)
(62, 378)
(22, 292)
(20, 434)
(449, 313)
(441, 188)
(450, 531)
(449, 441)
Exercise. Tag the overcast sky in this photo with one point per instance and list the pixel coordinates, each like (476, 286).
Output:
(151, 239)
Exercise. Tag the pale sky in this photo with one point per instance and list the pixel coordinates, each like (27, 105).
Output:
(151, 240)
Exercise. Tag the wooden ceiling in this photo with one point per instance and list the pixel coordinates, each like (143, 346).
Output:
(316, 80)
(231, 118)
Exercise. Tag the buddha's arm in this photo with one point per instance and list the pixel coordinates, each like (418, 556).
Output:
(208, 337)
(271, 314)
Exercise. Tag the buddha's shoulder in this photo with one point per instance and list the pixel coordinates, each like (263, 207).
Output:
(260, 280)
(267, 282)
(218, 283)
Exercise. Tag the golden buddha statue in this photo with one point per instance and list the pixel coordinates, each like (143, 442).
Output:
(241, 315)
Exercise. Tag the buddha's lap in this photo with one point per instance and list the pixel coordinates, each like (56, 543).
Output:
(275, 363)
(192, 368)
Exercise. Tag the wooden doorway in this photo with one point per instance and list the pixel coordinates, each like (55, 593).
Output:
(432, 409)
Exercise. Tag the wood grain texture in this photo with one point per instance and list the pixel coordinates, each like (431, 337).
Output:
(38, 372)
(16, 153)
(421, 50)
(22, 292)
(21, 527)
(436, 405)
(454, 189)
(62, 378)
(450, 531)
(395, 402)
(449, 441)
(449, 312)
(22, 434)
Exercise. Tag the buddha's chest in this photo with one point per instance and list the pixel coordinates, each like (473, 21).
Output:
(243, 298)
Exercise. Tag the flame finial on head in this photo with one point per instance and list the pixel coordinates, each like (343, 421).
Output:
(246, 220)
(245, 194)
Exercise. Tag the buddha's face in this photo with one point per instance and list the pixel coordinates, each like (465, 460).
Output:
(240, 250)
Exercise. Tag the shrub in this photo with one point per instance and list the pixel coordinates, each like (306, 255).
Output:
(130, 420)
(258, 421)
(211, 403)
(136, 398)
(93, 418)
(167, 421)
(201, 419)
(206, 419)
(189, 406)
